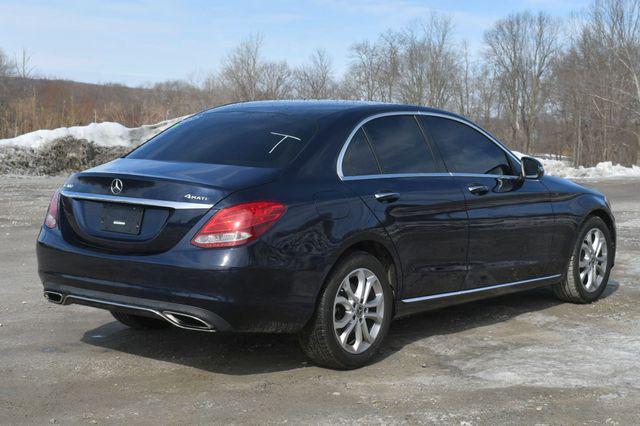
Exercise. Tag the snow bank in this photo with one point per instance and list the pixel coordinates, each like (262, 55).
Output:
(605, 169)
(102, 134)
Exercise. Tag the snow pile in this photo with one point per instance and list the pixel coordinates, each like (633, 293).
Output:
(102, 134)
(60, 156)
(605, 169)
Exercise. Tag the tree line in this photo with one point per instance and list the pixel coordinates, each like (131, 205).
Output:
(542, 85)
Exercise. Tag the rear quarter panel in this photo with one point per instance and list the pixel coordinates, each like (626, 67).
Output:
(323, 219)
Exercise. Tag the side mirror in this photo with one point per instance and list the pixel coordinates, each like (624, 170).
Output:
(531, 168)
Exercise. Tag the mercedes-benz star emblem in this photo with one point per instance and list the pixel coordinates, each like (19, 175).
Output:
(116, 186)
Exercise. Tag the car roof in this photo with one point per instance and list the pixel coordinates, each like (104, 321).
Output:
(319, 108)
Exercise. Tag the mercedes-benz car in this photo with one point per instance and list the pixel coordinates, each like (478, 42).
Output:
(325, 219)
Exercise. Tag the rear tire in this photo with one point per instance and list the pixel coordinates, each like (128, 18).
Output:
(353, 314)
(588, 271)
(139, 322)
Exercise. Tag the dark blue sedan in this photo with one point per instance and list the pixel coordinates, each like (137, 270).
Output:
(326, 219)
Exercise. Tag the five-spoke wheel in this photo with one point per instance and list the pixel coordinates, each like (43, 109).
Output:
(593, 259)
(353, 314)
(590, 264)
(358, 310)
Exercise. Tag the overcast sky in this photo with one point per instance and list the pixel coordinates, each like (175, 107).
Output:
(143, 41)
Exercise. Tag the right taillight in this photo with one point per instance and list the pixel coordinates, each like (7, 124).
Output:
(239, 224)
(51, 219)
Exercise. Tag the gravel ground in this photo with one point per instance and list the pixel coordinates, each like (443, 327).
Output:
(517, 359)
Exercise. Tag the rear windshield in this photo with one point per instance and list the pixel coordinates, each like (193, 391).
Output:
(255, 139)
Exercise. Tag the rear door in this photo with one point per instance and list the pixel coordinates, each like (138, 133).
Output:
(390, 165)
(510, 219)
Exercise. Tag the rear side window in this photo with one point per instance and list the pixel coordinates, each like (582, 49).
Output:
(359, 160)
(464, 149)
(256, 139)
(399, 145)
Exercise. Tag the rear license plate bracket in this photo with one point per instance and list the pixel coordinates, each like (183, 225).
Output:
(121, 219)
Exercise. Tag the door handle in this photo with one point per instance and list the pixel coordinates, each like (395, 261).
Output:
(386, 197)
(477, 189)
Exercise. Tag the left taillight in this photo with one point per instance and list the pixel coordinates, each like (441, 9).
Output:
(236, 225)
(51, 219)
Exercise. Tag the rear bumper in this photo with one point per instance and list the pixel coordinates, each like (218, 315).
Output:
(227, 289)
(182, 316)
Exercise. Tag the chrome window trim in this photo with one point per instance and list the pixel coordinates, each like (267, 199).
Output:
(397, 175)
(364, 121)
(177, 205)
(477, 290)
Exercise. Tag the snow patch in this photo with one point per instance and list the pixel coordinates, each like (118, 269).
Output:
(105, 134)
(563, 169)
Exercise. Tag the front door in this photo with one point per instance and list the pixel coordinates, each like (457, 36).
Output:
(511, 221)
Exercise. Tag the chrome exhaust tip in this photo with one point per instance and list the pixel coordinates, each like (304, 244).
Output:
(187, 321)
(54, 297)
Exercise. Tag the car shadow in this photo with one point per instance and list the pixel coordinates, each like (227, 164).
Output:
(246, 354)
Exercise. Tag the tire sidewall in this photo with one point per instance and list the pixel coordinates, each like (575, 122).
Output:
(355, 261)
(594, 222)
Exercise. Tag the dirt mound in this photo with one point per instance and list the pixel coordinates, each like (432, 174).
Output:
(60, 156)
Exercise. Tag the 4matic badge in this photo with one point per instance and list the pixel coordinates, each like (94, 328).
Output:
(196, 197)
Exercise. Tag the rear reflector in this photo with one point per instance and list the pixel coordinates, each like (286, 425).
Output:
(51, 219)
(239, 224)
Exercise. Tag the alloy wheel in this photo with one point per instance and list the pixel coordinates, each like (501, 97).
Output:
(592, 264)
(358, 310)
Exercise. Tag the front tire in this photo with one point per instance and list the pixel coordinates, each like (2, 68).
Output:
(353, 314)
(588, 271)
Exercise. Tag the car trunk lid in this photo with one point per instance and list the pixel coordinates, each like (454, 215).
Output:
(146, 206)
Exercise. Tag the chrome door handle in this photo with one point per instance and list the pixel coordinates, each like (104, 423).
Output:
(386, 197)
(476, 189)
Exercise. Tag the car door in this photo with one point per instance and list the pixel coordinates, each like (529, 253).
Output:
(390, 165)
(511, 221)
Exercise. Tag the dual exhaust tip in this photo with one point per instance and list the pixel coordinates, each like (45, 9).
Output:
(54, 297)
(177, 319)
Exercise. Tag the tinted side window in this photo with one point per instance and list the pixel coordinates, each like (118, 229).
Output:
(464, 149)
(359, 160)
(399, 145)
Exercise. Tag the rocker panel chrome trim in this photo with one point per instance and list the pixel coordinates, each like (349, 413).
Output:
(477, 290)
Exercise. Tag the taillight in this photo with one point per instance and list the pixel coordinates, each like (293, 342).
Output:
(239, 224)
(51, 219)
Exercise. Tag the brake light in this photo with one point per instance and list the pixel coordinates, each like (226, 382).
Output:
(239, 224)
(51, 219)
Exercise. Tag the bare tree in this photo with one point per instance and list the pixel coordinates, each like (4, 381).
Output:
(7, 66)
(241, 69)
(389, 57)
(521, 49)
(24, 68)
(428, 61)
(539, 49)
(504, 43)
(616, 24)
(315, 80)
(362, 79)
(275, 80)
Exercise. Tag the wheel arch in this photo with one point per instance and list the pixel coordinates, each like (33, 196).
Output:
(380, 252)
(379, 247)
